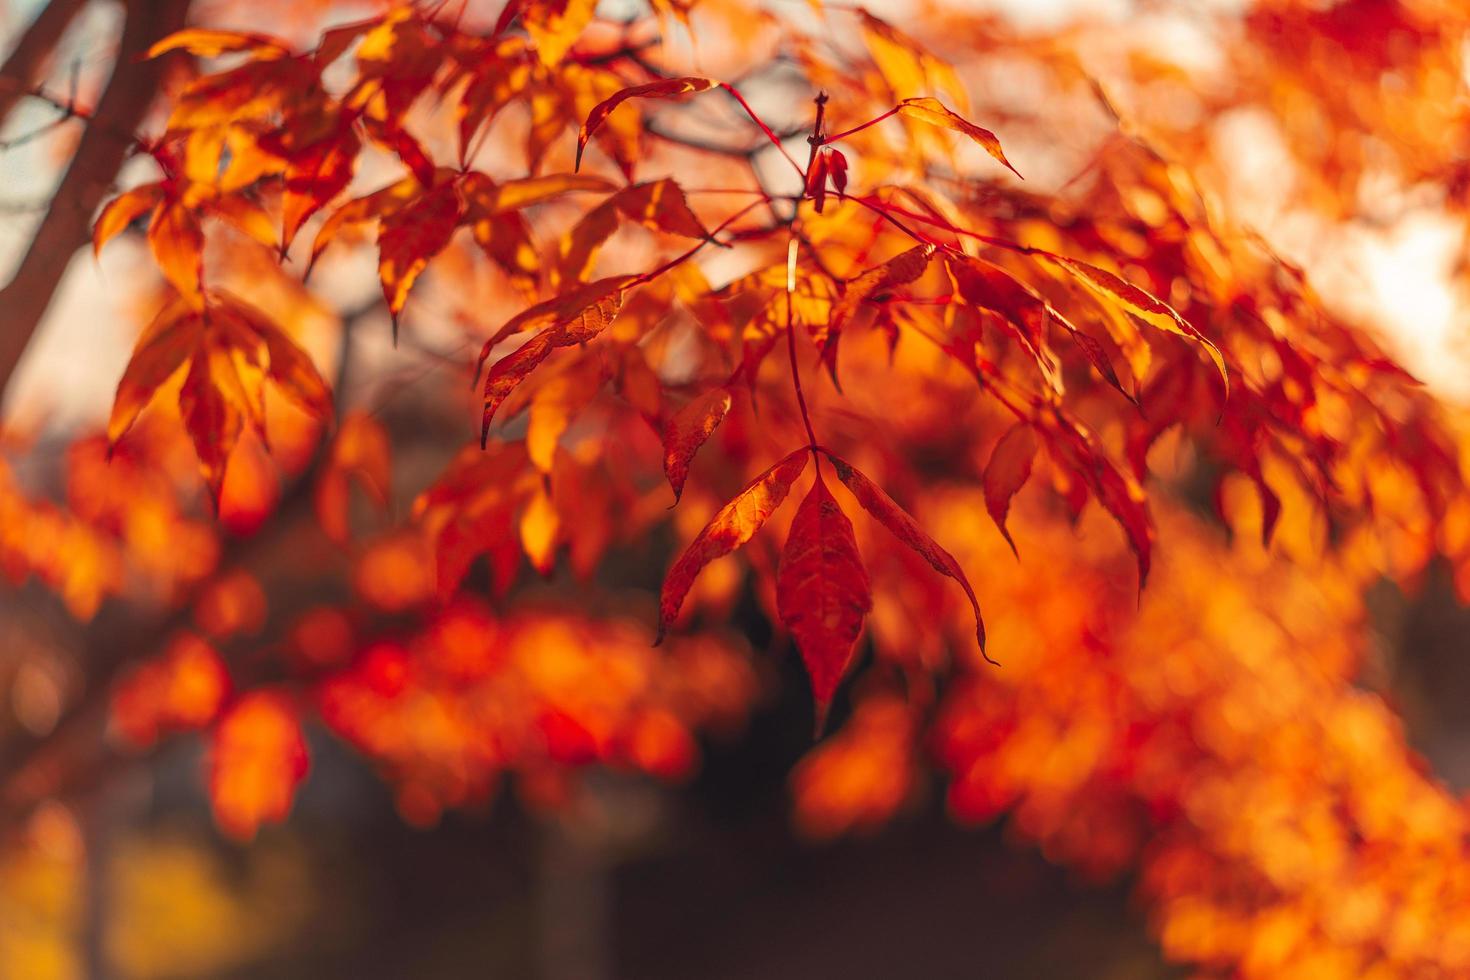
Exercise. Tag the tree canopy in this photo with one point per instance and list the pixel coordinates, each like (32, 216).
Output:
(472, 338)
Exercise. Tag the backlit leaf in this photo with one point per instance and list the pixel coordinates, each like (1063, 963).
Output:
(1148, 307)
(122, 211)
(1007, 472)
(662, 89)
(734, 525)
(688, 430)
(907, 530)
(933, 112)
(822, 591)
(575, 323)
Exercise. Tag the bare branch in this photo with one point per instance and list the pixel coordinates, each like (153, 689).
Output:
(93, 169)
(33, 49)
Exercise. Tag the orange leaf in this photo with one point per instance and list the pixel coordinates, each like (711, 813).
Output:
(662, 89)
(211, 415)
(314, 174)
(287, 365)
(1025, 314)
(907, 530)
(662, 206)
(178, 246)
(688, 430)
(555, 25)
(164, 346)
(410, 236)
(822, 591)
(1005, 474)
(370, 207)
(207, 43)
(933, 112)
(487, 199)
(540, 528)
(256, 759)
(732, 527)
(555, 404)
(900, 270)
(122, 211)
(1148, 307)
(574, 323)
(360, 451)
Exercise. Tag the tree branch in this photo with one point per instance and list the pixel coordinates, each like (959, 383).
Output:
(35, 46)
(93, 170)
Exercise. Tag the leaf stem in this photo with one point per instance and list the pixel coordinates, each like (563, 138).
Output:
(770, 134)
(806, 418)
(857, 129)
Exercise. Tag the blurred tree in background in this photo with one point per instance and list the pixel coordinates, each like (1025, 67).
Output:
(387, 386)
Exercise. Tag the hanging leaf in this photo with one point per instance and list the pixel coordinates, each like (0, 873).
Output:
(874, 284)
(122, 211)
(733, 526)
(575, 324)
(555, 25)
(688, 430)
(408, 237)
(907, 530)
(822, 591)
(1007, 472)
(933, 112)
(662, 89)
(1147, 306)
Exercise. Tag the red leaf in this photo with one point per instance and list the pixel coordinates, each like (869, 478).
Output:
(900, 270)
(733, 526)
(575, 323)
(210, 413)
(663, 89)
(1152, 309)
(410, 236)
(167, 342)
(933, 112)
(122, 211)
(257, 758)
(837, 167)
(907, 530)
(822, 591)
(177, 242)
(688, 430)
(816, 182)
(1005, 474)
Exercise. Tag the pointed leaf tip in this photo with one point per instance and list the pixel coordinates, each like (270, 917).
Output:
(822, 591)
(876, 502)
(734, 525)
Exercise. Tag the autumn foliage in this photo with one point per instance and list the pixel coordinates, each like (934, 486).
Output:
(1088, 481)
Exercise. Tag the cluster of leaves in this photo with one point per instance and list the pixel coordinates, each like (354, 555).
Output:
(273, 110)
(1214, 743)
(1112, 339)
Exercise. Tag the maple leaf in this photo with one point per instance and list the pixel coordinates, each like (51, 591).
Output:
(907, 530)
(575, 319)
(822, 591)
(257, 757)
(1006, 473)
(1148, 307)
(689, 428)
(874, 284)
(555, 25)
(734, 525)
(934, 112)
(359, 453)
(230, 349)
(659, 205)
(662, 89)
